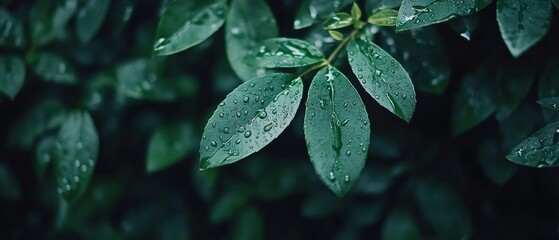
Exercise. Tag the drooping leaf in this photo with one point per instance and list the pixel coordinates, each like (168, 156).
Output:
(465, 26)
(284, 52)
(356, 12)
(422, 54)
(337, 130)
(12, 34)
(551, 103)
(375, 5)
(539, 150)
(249, 225)
(400, 225)
(336, 35)
(249, 118)
(186, 23)
(141, 79)
(90, 18)
(549, 87)
(12, 75)
(313, 11)
(168, 146)
(338, 20)
(523, 23)
(386, 17)
(48, 19)
(514, 85)
(382, 77)
(248, 23)
(51, 67)
(78, 147)
(472, 104)
(419, 13)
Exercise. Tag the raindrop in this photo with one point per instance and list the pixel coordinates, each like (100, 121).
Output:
(268, 127)
(262, 114)
(344, 122)
(238, 141)
(214, 144)
(246, 99)
(248, 134)
(376, 56)
(238, 114)
(332, 176)
(221, 115)
(346, 178)
(77, 163)
(76, 179)
(226, 130)
(404, 96)
(90, 161)
(79, 145)
(348, 153)
(68, 187)
(84, 168)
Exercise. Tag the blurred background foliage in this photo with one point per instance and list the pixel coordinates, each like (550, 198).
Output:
(443, 176)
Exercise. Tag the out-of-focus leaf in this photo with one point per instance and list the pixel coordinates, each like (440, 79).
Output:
(539, 150)
(284, 53)
(551, 102)
(320, 205)
(169, 145)
(338, 20)
(45, 153)
(366, 213)
(313, 11)
(493, 164)
(51, 67)
(337, 130)
(465, 25)
(228, 205)
(48, 19)
(419, 13)
(249, 118)
(521, 123)
(356, 12)
(374, 180)
(9, 187)
(514, 85)
(186, 23)
(386, 17)
(523, 23)
(248, 23)
(549, 87)
(278, 181)
(422, 54)
(374, 5)
(119, 15)
(90, 17)
(556, 3)
(400, 225)
(12, 34)
(248, 225)
(78, 147)
(472, 104)
(382, 77)
(12, 75)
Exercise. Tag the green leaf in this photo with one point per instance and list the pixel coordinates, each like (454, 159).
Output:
(472, 104)
(336, 35)
(386, 17)
(12, 75)
(422, 54)
(492, 163)
(337, 130)
(556, 3)
(355, 12)
(90, 18)
(481, 4)
(465, 26)
(141, 79)
(45, 153)
(400, 225)
(284, 53)
(313, 11)
(48, 19)
(551, 103)
(549, 87)
(186, 23)
(375, 5)
(78, 146)
(338, 20)
(419, 13)
(514, 85)
(539, 150)
(248, 225)
(382, 77)
(248, 23)
(227, 206)
(9, 187)
(51, 67)
(168, 146)
(320, 205)
(523, 23)
(12, 34)
(249, 118)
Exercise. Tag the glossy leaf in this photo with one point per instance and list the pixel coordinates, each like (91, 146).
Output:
(338, 20)
(53, 68)
(382, 77)
(168, 146)
(49, 18)
(249, 118)
(551, 103)
(472, 104)
(90, 18)
(12, 34)
(422, 54)
(337, 130)
(336, 35)
(539, 150)
(375, 5)
(12, 75)
(313, 11)
(386, 17)
(549, 87)
(78, 147)
(284, 52)
(248, 23)
(419, 13)
(523, 23)
(356, 12)
(465, 26)
(400, 225)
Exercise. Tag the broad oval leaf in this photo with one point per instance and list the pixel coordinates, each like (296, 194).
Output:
(386, 17)
(382, 77)
(90, 18)
(551, 103)
(400, 225)
(472, 104)
(491, 161)
(53, 68)
(419, 13)
(12, 34)
(249, 118)
(523, 23)
(186, 23)
(168, 146)
(337, 130)
(514, 84)
(313, 11)
(284, 52)
(48, 19)
(12, 75)
(248, 23)
(77, 150)
(338, 20)
(539, 150)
